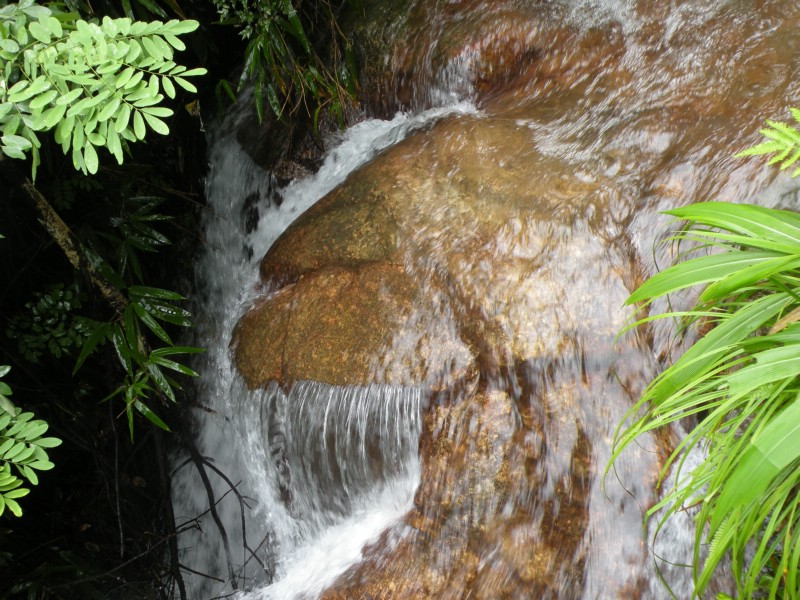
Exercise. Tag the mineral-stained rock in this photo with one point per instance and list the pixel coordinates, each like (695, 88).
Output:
(341, 325)
(487, 259)
(418, 262)
(509, 506)
(466, 260)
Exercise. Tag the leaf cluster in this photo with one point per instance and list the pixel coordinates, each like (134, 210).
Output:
(134, 231)
(23, 450)
(139, 332)
(282, 62)
(740, 381)
(139, 329)
(97, 85)
(143, 366)
(783, 142)
(142, 10)
(49, 323)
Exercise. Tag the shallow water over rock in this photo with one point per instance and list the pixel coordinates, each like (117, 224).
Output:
(498, 285)
(480, 262)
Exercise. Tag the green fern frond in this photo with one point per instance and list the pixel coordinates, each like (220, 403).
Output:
(762, 148)
(783, 143)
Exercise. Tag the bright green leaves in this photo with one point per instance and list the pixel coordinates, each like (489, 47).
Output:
(5, 391)
(746, 224)
(23, 450)
(85, 80)
(740, 381)
(139, 129)
(767, 454)
(783, 141)
(155, 123)
(703, 269)
(15, 146)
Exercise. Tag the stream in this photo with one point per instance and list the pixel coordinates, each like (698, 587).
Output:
(413, 375)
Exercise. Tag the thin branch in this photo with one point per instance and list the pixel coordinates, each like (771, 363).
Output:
(198, 462)
(71, 247)
(242, 506)
(200, 573)
(174, 565)
(116, 484)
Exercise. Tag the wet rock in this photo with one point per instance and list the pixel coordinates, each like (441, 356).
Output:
(350, 227)
(509, 506)
(417, 54)
(466, 259)
(489, 257)
(463, 247)
(338, 325)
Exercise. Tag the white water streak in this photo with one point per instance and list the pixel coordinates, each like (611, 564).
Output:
(232, 429)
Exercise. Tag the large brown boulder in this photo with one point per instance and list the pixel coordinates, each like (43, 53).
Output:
(466, 261)
(487, 259)
(337, 325)
(445, 251)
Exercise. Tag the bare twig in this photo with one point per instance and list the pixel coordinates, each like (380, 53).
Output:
(242, 506)
(174, 565)
(198, 462)
(200, 573)
(116, 484)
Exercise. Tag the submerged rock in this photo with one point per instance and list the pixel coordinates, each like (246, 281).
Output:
(466, 260)
(334, 325)
(487, 259)
(441, 252)
(416, 54)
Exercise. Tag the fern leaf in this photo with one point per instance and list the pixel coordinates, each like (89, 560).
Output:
(762, 148)
(719, 545)
(789, 133)
(780, 156)
(791, 160)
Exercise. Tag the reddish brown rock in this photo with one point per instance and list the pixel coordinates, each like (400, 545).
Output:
(348, 326)
(489, 257)
(462, 252)
(509, 506)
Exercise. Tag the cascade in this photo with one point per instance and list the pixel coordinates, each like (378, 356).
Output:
(469, 459)
(363, 435)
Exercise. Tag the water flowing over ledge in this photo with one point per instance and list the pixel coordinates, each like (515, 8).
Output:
(481, 256)
(240, 434)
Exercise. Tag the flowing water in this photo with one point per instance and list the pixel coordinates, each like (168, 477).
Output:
(254, 437)
(585, 118)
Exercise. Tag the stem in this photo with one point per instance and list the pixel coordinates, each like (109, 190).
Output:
(199, 464)
(166, 492)
(71, 247)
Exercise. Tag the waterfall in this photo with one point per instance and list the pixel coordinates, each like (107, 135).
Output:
(521, 196)
(302, 477)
